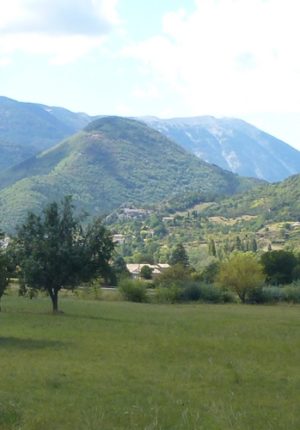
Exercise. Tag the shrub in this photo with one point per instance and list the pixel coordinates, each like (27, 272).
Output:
(261, 295)
(212, 294)
(292, 294)
(170, 294)
(133, 290)
(191, 292)
(276, 294)
(146, 272)
(210, 272)
(272, 294)
(177, 274)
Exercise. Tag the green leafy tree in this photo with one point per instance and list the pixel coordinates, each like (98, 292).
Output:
(54, 252)
(174, 275)
(179, 256)
(279, 266)
(210, 272)
(119, 269)
(241, 273)
(146, 272)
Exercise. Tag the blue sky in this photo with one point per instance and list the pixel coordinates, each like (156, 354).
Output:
(165, 57)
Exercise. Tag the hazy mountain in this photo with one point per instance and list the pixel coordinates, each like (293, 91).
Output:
(232, 144)
(28, 128)
(112, 161)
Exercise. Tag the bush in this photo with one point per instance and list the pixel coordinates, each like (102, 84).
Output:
(146, 272)
(170, 294)
(276, 294)
(272, 295)
(292, 294)
(256, 296)
(133, 290)
(212, 294)
(191, 292)
(177, 274)
(210, 272)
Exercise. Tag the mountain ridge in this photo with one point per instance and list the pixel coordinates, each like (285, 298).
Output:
(29, 128)
(112, 161)
(232, 144)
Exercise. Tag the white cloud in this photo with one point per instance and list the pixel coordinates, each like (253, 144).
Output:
(149, 92)
(63, 29)
(5, 61)
(228, 56)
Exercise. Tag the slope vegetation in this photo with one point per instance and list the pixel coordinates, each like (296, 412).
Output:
(275, 202)
(111, 162)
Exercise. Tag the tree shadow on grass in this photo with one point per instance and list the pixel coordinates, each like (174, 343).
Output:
(111, 319)
(16, 342)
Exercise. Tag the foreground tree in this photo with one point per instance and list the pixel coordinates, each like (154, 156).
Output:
(241, 273)
(4, 278)
(54, 251)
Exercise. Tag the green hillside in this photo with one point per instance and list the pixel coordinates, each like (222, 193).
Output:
(263, 218)
(28, 128)
(113, 161)
(274, 202)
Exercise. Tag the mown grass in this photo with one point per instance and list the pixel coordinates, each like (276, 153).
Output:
(117, 365)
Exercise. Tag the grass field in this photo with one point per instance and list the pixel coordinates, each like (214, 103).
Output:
(117, 365)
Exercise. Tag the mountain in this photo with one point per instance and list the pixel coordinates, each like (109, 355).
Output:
(232, 144)
(28, 128)
(111, 162)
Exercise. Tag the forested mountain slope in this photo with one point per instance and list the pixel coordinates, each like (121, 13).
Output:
(111, 162)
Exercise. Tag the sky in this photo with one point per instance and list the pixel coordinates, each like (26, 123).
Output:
(167, 58)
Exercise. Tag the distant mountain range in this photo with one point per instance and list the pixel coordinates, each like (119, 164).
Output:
(232, 144)
(29, 128)
(111, 162)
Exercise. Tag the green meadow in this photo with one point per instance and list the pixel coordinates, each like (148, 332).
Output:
(116, 365)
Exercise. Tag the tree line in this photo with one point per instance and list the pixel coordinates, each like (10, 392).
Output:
(54, 250)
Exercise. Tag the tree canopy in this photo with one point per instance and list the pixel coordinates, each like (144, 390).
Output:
(179, 256)
(279, 266)
(242, 273)
(55, 252)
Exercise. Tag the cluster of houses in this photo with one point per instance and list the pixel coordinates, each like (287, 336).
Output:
(135, 269)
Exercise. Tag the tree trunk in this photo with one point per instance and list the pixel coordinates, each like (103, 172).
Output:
(54, 298)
